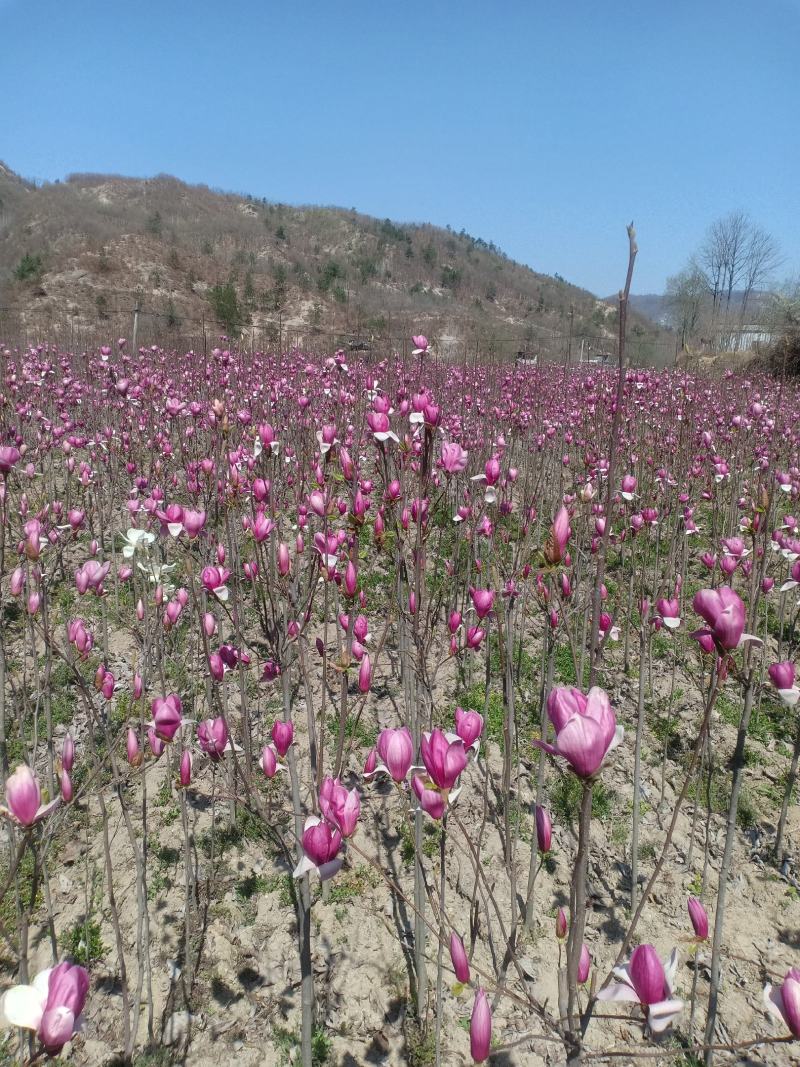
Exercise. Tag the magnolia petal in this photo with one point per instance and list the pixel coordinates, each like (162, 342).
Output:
(660, 1016)
(619, 734)
(329, 869)
(175, 528)
(380, 768)
(789, 696)
(773, 1002)
(671, 969)
(547, 747)
(303, 867)
(670, 623)
(45, 809)
(221, 593)
(23, 1005)
(750, 637)
(618, 991)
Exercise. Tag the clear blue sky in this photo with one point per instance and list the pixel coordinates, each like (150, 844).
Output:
(544, 127)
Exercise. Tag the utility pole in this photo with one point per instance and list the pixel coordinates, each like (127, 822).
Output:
(135, 326)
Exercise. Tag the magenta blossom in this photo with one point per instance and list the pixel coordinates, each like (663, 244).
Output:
(454, 458)
(340, 806)
(321, 847)
(586, 728)
(556, 545)
(24, 798)
(214, 579)
(458, 956)
(483, 601)
(444, 757)
(784, 1002)
(396, 751)
(724, 612)
(699, 918)
(480, 1028)
(212, 736)
(469, 726)
(646, 981)
(584, 965)
(51, 1006)
(782, 676)
(544, 829)
(282, 735)
(166, 712)
(431, 799)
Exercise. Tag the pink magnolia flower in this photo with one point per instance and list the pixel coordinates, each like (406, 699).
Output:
(340, 806)
(51, 1006)
(133, 749)
(586, 728)
(474, 637)
(458, 956)
(24, 798)
(282, 735)
(669, 611)
(454, 457)
(365, 674)
(166, 712)
(724, 612)
(784, 1002)
(646, 981)
(469, 726)
(699, 918)
(561, 924)
(68, 753)
(444, 756)
(556, 544)
(212, 736)
(544, 829)
(396, 751)
(8, 457)
(269, 761)
(431, 799)
(157, 746)
(90, 576)
(321, 847)
(483, 601)
(480, 1028)
(185, 774)
(420, 342)
(628, 487)
(584, 965)
(782, 676)
(214, 579)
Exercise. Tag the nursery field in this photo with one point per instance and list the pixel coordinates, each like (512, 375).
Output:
(399, 711)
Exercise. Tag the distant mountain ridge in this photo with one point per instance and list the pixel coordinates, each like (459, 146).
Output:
(85, 251)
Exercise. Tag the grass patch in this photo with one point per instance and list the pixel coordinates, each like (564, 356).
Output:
(287, 1042)
(83, 944)
(565, 799)
(353, 884)
(355, 729)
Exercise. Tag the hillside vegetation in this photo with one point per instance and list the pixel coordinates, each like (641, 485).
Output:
(79, 255)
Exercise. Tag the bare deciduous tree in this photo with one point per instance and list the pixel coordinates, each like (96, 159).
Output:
(687, 294)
